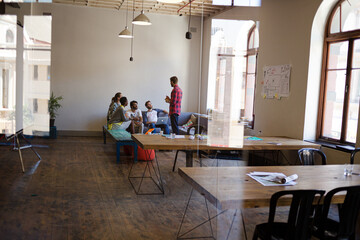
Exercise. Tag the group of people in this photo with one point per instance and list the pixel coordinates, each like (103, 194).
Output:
(132, 120)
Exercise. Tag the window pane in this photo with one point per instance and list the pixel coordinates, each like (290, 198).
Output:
(350, 16)
(7, 73)
(353, 113)
(356, 54)
(249, 101)
(37, 32)
(335, 24)
(37, 60)
(256, 38)
(247, 3)
(338, 55)
(251, 64)
(222, 2)
(8, 29)
(334, 102)
(251, 41)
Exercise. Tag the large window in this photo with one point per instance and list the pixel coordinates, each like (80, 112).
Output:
(232, 70)
(340, 94)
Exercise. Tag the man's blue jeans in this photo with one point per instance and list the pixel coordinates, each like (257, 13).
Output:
(165, 127)
(174, 123)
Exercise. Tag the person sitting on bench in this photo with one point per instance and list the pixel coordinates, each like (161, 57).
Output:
(134, 113)
(115, 103)
(119, 120)
(150, 118)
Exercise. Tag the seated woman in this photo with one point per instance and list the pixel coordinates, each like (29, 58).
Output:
(119, 120)
(115, 103)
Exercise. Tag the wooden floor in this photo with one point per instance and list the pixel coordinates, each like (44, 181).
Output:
(77, 191)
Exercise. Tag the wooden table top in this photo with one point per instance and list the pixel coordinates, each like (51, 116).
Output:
(267, 143)
(231, 188)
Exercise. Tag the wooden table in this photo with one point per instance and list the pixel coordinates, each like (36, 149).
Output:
(231, 188)
(267, 143)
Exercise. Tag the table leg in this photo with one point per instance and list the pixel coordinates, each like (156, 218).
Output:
(118, 152)
(135, 152)
(189, 158)
(104, 134)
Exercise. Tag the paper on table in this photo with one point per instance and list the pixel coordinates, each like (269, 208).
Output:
(176, 136)
(273, 179)
(263, 173)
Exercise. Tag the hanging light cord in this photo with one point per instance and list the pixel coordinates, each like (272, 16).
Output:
(127, 9)
(190, 16)
(132, 32)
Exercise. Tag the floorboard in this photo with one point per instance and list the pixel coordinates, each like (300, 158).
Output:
(78, 191)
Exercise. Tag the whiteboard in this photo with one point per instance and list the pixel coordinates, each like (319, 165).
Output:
(276, 81)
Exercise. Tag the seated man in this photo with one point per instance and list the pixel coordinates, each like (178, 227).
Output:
(135, 115)
(151, 118)
(119, 120)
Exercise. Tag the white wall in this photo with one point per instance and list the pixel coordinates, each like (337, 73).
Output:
(90, 63)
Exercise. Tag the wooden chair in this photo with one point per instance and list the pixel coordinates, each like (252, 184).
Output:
(297, 225)
(353, 153)
(326, 228)
(307, 156)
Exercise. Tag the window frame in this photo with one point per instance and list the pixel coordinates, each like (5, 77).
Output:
(251, 52)
(330, 38)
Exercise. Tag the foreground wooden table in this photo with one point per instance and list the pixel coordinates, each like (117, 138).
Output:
(231, 188)
(267, 143)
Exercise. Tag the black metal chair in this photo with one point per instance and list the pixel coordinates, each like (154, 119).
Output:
(353, 153)
(297, 225)
(326, 228)
(307, 156)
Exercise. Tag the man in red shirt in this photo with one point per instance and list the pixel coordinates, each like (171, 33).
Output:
(175, 104)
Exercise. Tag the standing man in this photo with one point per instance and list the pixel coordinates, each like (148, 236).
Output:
(175, 104)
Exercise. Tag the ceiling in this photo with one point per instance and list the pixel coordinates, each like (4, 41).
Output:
(198, 8)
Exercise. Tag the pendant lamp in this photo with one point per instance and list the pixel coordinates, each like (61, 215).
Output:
(142, 19)
(126, 33)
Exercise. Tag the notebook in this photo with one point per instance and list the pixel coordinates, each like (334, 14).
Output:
(162, 120)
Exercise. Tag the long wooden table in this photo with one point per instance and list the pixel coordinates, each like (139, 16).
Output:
(267, 143)
(231, 188)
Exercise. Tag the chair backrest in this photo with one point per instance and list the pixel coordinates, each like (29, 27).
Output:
(353, 153)
(299, 213)
(308, 155)
(348, 212)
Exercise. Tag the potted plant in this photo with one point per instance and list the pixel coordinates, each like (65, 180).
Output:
(54, 105)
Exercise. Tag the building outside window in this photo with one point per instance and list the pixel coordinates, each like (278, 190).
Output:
(232, 69)
(7, 74)
(340, 90)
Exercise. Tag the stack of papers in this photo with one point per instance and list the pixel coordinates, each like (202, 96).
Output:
(273, 178)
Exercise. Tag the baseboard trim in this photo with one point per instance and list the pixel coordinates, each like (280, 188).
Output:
(79, 133)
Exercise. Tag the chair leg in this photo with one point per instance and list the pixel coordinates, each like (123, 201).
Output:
(175, 160)
(255, 236)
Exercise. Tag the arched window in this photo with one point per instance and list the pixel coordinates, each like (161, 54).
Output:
(250, 78)
(340, 89)
(9, 36)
